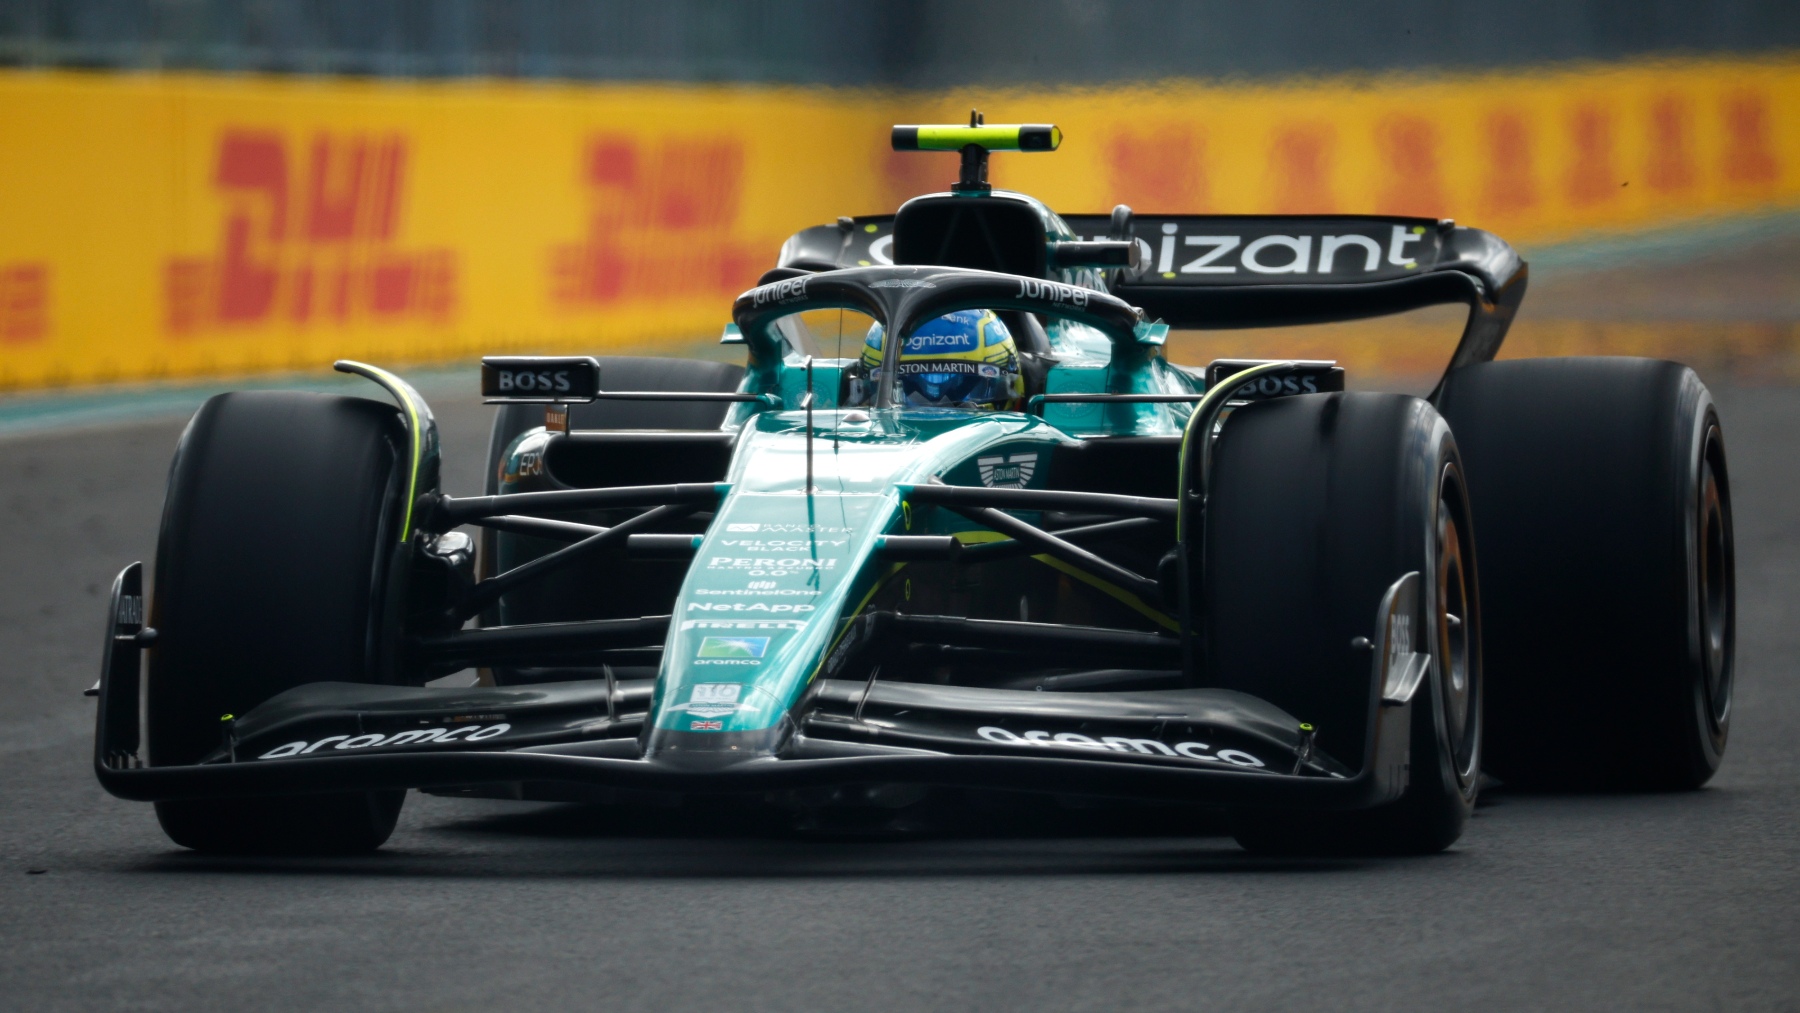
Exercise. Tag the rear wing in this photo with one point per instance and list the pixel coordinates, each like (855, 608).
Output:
(1223, 271)
(1227, 271)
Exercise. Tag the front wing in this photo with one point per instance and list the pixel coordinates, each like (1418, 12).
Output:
(1200, 746)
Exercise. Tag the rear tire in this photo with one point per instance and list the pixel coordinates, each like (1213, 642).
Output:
(276, 535)
(1604, 507)
(1319, 503)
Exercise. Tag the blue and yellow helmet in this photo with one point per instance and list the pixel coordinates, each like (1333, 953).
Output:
(965, 359)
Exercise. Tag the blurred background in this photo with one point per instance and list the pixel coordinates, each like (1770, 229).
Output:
(195, 190)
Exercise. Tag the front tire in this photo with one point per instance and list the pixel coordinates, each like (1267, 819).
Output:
(1318, 503)
(280, 519)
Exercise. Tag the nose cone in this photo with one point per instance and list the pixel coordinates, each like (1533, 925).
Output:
(708, 750)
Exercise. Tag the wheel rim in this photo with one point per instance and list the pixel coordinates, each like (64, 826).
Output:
(1458, 629)
(1716, 591)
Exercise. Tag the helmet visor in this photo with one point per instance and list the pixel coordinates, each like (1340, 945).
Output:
(949, 382)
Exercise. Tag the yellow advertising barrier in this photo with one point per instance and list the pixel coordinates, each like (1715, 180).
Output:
(170, 226)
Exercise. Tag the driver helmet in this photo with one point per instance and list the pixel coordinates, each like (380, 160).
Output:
(965, 359)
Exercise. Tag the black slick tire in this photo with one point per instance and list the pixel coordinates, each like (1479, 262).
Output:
(1603, 506)
(275, 538)
(1318, 504)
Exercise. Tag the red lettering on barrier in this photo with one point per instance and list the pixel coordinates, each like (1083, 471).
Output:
(24, 302)
(1300, 162)
(1415, 185)
(252, 171)
(660, 224)
(911, 173)
(1749, 156)
(339, 260)
(1512, 176)
(1592, 178)
(1671, 165)
(1160, 170)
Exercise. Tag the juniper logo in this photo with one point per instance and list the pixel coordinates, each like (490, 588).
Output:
(1007, 472)
(779, 292)
(732, 647)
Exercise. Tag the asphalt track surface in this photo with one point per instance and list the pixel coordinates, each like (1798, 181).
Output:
(1682, 901)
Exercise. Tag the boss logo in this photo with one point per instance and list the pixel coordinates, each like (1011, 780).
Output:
(1275, 386)
(556, 381)
(535, 379)
(1306, 378)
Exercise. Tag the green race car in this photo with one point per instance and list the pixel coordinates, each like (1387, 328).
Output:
(835, 578)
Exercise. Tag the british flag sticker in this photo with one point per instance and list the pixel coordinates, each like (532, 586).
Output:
(706, 726)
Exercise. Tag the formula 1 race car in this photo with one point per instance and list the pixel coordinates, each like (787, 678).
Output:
(1240, 587)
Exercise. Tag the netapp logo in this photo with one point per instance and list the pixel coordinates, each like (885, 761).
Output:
(1119, 744)
(374, 740)
(742, 624)
(1287, 254)
(780, 292)
(738, 606)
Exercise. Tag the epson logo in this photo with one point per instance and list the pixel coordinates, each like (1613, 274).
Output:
(1119, 744)
(1353, 253)
(779, 292)
(1051, 291)
(543, 382)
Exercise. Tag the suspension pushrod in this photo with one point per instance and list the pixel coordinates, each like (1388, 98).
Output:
(772, 400)
(1034, 638)
(1070, 553)
(513, 644)
(1042, 499)
(489, 591)
(449, 511)
(540, 527)
(982, 552)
